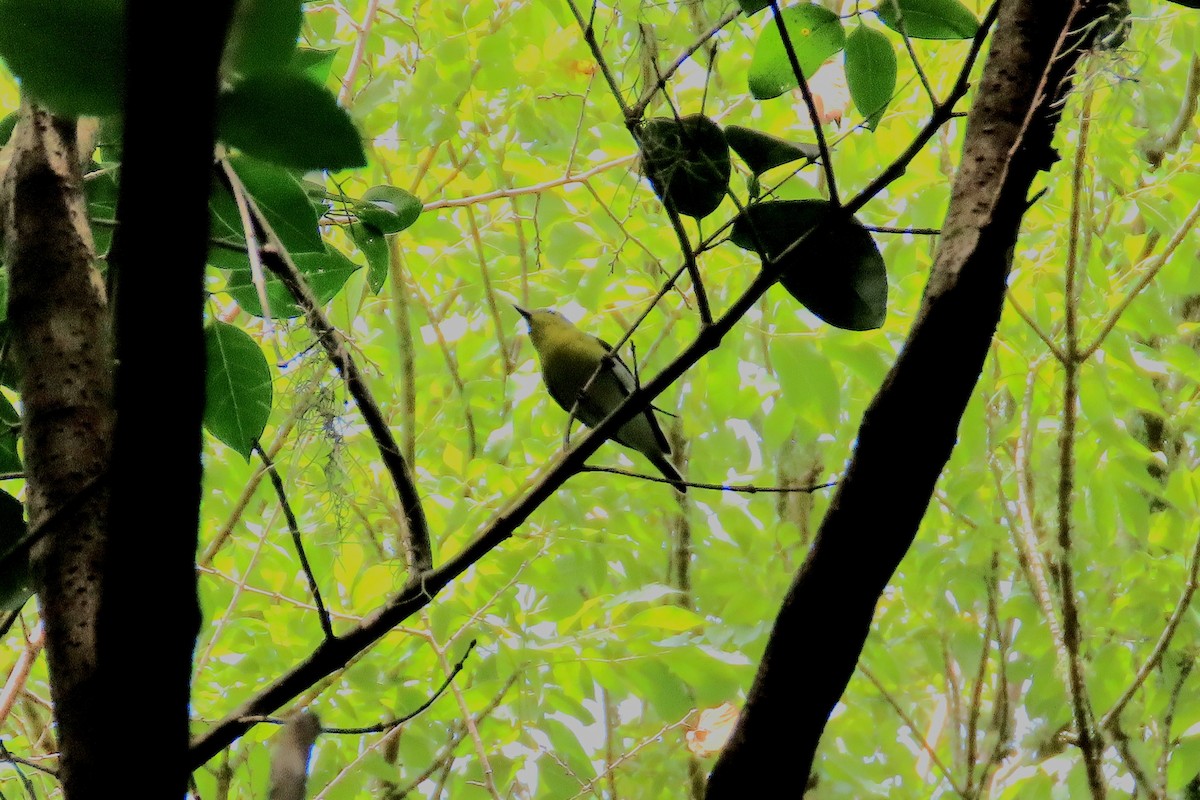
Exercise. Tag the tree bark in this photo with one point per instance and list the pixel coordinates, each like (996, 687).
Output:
(58, 315)
(910, 428)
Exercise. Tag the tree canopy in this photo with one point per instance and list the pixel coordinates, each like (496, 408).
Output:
(423, 169)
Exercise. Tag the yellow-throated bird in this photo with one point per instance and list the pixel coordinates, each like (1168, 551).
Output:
(569, 359)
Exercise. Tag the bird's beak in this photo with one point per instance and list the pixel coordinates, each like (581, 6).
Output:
(522, 312)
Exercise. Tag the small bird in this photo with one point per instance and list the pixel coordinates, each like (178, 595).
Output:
(569, 359)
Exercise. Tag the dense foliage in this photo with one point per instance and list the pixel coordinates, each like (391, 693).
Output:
(619, 612)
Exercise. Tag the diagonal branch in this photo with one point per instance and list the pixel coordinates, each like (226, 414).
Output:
(331, 655)
(278, 260)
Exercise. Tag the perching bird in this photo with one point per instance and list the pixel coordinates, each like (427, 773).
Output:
(569, 359)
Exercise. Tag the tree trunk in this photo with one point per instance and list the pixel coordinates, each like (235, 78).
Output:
(910, 428)
(59, 319)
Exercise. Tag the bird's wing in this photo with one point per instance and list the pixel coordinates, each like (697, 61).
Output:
(620, 369)
(628, 384)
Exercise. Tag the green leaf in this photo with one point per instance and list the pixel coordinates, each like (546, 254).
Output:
(929, 19)
(375, 249)
(762, 151)
(288, 120)
(837, 273)
(326, 273)
(670, 618)
(816, 34)
(7, 125)
(389, 209)
(16, 579)
(316, 64)
(687, 162)
(101, 192)
(263, 35)
(10, 423)
(238, 386)
(283, 201)
(753, 6)
(870, 72)
(69, 54)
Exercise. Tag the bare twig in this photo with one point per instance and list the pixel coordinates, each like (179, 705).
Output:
(1113, 715)
(279, 261)
(382, 727)
(1090, 740)
(913, 729)
(806, 93)
(639, 107)
(297, 541)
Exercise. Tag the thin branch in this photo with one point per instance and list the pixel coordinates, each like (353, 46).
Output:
(912, 726)
(1113, 715)
(383, 727)
(1090, 740)
(589, 36)
(1054, 349)
(744, 488)
(297, 541)
(281, 434)
(447, 754)
(912, 54)
(912, 231)
(1150, 271)
(806, 93)
(363, 30)
(990, 628)
(20, 671)
(591, 785)
(279, 261)
(639, 108)
(1185, 669)
(1157, 147)
(537, 188)
(253, 250)
(25, 782)
(939, 116)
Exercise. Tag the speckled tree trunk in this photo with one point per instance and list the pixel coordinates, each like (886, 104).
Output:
(59, 321)
(909, 429)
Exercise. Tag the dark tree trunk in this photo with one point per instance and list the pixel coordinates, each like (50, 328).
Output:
(909, 429)
(159, 252)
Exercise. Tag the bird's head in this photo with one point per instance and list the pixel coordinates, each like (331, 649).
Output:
(544, 324)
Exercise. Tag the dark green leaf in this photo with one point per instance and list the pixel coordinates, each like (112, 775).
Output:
(238, 400)
(326, 273)
(1186, 3)
(263, 35)
(101, 191)
(816, 34)
(762, 151)
(929, 19)
(837, 273)
(389, 209)
(374, 247)
(10, 423)
(316, 64)
(69, 54)
(687, 162)
(16, 580)
(283, 201)
(288, 120)
(870, 72)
